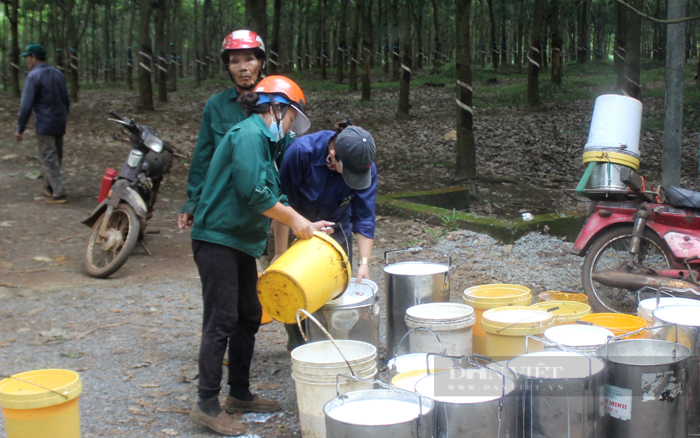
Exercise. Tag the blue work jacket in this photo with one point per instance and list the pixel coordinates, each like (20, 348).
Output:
(318, 193)
(45, 92)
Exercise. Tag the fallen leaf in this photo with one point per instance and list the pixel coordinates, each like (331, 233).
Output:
(170, 432)
(274, 386)
(158, 393)
(33, 174)
(6, 223)
(42, 259)
(9, 157)
(72, 355)
(150, 385)
(60, 258)
(55, 333)
(7, 343)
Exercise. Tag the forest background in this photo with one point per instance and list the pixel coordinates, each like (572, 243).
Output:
(517, 54)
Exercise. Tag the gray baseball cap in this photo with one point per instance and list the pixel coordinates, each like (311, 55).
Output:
(355, 149)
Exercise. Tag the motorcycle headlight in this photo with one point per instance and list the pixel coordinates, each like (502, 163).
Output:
(153, 143)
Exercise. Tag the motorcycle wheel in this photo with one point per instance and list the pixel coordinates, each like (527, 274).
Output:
(103, 257)
(610, 252)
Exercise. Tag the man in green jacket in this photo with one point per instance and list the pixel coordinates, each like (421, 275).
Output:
(243, 55)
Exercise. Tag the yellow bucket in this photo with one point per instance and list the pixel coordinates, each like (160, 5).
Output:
(506, 328)
(568, 311)
(611, 157)
(407, 381)
(47, 410)
(308, 275)
(618, 323)
(490, 296)
(555, 295)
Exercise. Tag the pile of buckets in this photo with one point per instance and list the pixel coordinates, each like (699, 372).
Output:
(501, 362)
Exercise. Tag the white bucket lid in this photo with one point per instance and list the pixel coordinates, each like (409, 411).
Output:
(464, 386)
(356, 293)
(553, 365)
(576, 335)
(434, 315)
(681, 315)
(415, 268)
(647, 306)
(324, 353)
(376, 412)
(515, 316)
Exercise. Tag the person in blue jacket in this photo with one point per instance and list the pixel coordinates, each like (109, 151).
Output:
(332, 175)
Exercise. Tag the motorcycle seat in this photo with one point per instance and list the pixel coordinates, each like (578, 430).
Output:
(683, 198)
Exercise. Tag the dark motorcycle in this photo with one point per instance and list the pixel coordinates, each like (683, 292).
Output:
(126, 200)
(637, 238)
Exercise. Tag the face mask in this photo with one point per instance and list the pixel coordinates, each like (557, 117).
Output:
(276, 131)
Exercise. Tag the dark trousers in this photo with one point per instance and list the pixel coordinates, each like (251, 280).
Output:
(51, 153)
(231, 317)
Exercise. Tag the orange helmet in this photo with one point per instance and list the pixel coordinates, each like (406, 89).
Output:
(283, 90)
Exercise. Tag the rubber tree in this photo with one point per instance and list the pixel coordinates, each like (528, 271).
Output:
(342, 43)
(145, 56)
(273, 55)
(673, 114)
(466, 148)
(620, 57)
(583, 44)
(534, 56)
(557, 43)
(366, 49)
(161, 47)
(12, 13)
(406, 62)
(494, 45)
(354, 54)
(633, 86)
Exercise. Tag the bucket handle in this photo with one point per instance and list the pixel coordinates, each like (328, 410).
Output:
(416, 249)
(658, 291)
(63, 394)
(396, 351)
(474, 363)
(310, 316)
(643, 329)
(563, 347)
(384, 385)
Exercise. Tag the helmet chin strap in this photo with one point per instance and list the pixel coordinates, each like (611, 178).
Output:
(278, 120)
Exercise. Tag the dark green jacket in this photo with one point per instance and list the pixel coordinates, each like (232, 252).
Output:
(241, 184)
(221, 113)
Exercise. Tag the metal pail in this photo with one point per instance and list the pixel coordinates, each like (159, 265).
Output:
(380, 413)
(471, 403)
(606, 176)
(646, 388)
(686, 331)
(558, 391)
(409, 284)
(353, 316)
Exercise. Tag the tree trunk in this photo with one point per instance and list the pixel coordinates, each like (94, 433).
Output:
(620, 46)
(419, 35)
(300, 36)
(437, 43)
(466, 148)
(206, 29)
(323, 48)
(73, 42)
(195, 44)
(354, 45)
(12, 12)
(535, 56)
(633, 86)
(274, 51)
(342, 43)
(395, 48)
(557, 44)
(583, 45)
(145, 55)
(494, 44)
(161, 64)
(673, 114)
(504, 37)
(106, 43)
(406, 65)
(366, 49)
(172, 47)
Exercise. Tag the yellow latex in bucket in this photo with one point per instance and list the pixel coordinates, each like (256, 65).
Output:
(506, 328)
(308, 275)
(618, 323)
(568, 311)
(555, 295)
(491, 296)
(30, 411)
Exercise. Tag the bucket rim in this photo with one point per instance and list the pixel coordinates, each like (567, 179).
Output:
(467, 400)
(343, 256)
(657, 314)
(416, 262)
(683, 354)
(633, 322)
(517, 328)
(426, 409)
(579, 308)
(339, 342)
(27, 396)
(467, 319)
(573, 296)
(597, 365)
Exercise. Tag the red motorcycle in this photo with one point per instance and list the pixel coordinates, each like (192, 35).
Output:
(639, 238)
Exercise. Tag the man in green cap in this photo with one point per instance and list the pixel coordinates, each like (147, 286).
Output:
(45, 93)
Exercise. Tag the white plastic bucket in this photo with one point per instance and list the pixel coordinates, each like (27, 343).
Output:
(615, 125)
(582, 338)
(314, 370)
(646, 307)
(451, 322)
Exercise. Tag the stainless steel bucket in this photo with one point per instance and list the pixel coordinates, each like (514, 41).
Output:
(646, 388)
(606, 177)
(558, 394)
(380, 413)
(682, 324)
(408, 284)
(353, 316)
(471, 403)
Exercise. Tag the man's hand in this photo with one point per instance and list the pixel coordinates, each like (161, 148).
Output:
(184, 220)
(18, 136)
